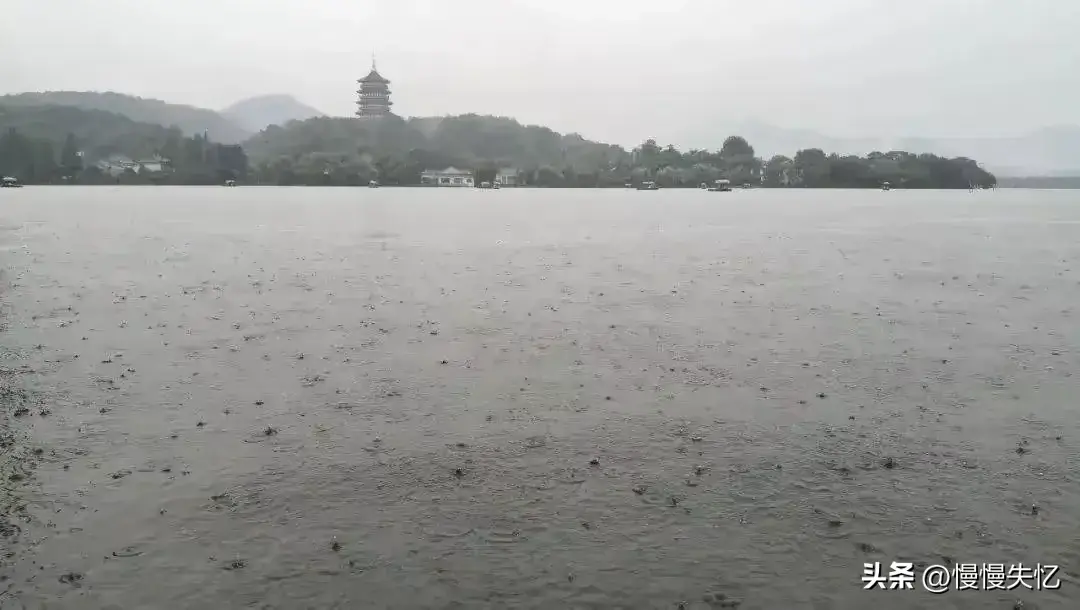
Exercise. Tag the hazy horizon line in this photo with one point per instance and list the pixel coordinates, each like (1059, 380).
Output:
(746, 122)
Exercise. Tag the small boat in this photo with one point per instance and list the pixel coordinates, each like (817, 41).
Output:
(720, 186)
(374, 184)
(8, 182)
(629, 185)
(648, 186)
(703, 186)
(230, 183)
(485, 185)
(747, 185)
(496, 185)
(885, 186)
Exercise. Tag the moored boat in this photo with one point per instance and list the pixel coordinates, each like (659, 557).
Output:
(9, 182)
(721, 186)
(648, 186)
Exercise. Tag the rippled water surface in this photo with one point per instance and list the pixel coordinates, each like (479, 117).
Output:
(356, 398)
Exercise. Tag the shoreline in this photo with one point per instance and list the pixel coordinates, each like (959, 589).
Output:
(547, 188)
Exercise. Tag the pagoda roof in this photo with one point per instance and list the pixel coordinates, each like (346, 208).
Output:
(374, 77)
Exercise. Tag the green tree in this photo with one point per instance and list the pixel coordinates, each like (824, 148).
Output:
(31, 160)
(229, 162)
(812, 166)
(194, 157)
(736, 148)
(172, 148)
(14, 151)
(548, 176)
(779, 171)
(647, 155)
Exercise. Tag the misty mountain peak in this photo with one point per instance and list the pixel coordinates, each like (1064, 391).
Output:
(256, 113)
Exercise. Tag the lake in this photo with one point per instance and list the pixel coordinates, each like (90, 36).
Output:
(409, 398)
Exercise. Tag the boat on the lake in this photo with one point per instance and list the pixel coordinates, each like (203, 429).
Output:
(648, 186)
(885, 186)
(8, 182)
(373, 184)
(721, 185)
(485, 185)
(230, 183)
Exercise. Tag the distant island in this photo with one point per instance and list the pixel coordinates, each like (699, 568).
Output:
(111, 138)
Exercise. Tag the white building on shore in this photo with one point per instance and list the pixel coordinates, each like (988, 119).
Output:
(450, 176)
(115, 165)
(508, 177)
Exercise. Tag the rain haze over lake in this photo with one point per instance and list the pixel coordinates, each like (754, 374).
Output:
(403, 398)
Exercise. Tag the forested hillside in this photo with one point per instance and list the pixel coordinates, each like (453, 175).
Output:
(99, 133)
(396, 151)
(52, 144)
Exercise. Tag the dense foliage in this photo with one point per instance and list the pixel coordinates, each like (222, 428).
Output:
(189, 119)
(32, 160)
(339, 151)
(812, 168)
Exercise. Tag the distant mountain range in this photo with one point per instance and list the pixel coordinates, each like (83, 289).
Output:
(233, 125)
(189, 119)
(1051, 151)
(257, 113)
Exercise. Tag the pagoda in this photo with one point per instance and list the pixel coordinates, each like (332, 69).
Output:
(374, 94)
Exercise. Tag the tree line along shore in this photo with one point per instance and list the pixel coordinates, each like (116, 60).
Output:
(52, 144)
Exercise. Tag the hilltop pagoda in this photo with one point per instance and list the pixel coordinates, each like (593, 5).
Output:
(374, 95)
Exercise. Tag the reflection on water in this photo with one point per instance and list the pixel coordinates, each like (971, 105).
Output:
(308, 398)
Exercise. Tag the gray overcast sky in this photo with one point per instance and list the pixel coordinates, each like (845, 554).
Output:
(616, 70)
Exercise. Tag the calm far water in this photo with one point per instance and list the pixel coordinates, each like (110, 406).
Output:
(405, 398)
